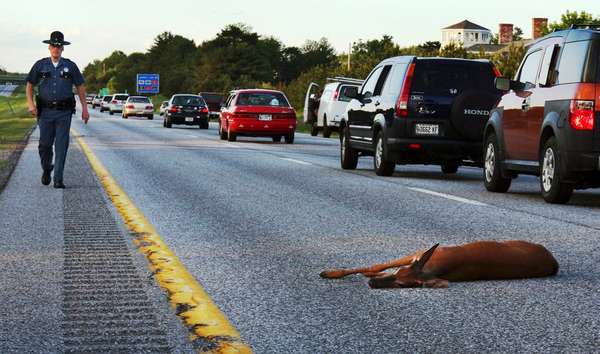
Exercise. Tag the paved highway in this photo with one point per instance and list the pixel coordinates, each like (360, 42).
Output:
(255, 222)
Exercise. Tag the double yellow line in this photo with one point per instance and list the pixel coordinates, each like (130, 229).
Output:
(202, 317)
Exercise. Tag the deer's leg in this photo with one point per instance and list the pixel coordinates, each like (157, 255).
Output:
(372, 271)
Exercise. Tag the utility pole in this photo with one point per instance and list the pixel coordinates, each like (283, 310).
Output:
(349, 55)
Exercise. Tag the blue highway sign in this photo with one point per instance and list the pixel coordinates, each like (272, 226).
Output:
(148, 83)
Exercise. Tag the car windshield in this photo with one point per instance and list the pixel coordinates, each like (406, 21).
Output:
(121, 97)
(262, 99)
(139, 99)
(442, 76)
(188, 101)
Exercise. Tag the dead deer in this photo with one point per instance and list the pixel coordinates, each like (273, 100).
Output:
(481, 260)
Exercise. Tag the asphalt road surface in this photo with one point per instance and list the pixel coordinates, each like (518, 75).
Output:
(255, 222)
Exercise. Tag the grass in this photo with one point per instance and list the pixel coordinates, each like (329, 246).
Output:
(15, 122)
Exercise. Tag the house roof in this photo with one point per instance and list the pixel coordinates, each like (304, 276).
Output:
(466, 24)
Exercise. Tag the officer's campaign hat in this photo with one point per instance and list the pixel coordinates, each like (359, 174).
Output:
(57, 39)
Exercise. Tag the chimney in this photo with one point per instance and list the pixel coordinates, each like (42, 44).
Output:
(505, 35)
(539, 24)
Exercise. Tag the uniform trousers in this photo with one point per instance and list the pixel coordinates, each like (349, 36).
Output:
(54, 130)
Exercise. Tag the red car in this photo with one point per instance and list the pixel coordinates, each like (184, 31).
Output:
(257, 113)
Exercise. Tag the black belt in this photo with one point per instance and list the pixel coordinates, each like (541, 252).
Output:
(59, 105)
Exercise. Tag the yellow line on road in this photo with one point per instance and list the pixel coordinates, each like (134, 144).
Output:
(206, 323)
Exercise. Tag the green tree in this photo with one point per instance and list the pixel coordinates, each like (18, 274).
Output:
(572, 18)
(517, 34)
(508, 60)
(453, 50)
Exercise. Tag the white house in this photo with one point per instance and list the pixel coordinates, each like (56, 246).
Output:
(467, 33)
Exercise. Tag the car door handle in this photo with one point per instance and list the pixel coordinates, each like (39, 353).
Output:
(525, 105)
(377, 103)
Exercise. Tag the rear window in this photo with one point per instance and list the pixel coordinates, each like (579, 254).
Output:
(107, 98)
(212, 97)
(188, 101)
(121, 97)
(139, 99)
(443, 76)
(262, 99)
(343, 92)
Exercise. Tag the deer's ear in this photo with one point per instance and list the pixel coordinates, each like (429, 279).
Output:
(420, 263)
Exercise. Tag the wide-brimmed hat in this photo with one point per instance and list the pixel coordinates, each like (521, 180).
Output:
(57, 38)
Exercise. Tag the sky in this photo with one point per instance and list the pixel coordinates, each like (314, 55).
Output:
(97, 28)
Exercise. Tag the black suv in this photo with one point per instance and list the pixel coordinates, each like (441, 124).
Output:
(420, 111)
(545, 124)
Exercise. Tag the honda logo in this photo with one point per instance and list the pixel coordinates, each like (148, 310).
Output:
(477, 112)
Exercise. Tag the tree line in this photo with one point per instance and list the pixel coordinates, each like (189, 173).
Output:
(238, 57)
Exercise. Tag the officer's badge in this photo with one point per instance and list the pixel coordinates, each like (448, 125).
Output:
(66, 70)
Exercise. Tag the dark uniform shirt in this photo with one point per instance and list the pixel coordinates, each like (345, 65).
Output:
(55, 84)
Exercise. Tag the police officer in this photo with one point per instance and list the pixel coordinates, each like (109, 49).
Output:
(54, 105)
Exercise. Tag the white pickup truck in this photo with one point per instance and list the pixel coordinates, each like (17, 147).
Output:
(324, 112)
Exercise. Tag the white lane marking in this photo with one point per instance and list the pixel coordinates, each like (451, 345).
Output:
(297, 161)
(448, 196)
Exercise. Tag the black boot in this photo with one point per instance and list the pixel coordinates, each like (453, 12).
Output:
(59, 184)
(46, 177)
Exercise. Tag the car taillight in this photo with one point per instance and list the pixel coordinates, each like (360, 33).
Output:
(130, 106)
(203, 110)
(336, 94)
(402, 104)
(114, 101)
(173, 110)
(582, 115)
(149, 107)
(497, 72)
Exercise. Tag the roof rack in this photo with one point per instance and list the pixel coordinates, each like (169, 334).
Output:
(586, 26)
(347, 80)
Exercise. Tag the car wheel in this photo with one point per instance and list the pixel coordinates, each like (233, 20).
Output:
(164, 123)
(277, 138)
(450, 168)
(204, 125)
(348, 156)
(314, 129)
(382, 166)
(326, 128)
(492, 173)
(124, 116)
(150, 116)
(111, 112)
(554, 190)
(289, 138)
(168, 123)
(231, 136)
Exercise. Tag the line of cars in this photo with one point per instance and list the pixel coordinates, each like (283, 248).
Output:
(455, 112)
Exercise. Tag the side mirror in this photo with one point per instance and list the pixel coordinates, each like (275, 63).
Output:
(502, 83)
(352, 92)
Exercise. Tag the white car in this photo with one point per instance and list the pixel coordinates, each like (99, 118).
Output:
(325, 112)
(138, 106)
(104, 103)
(116, 103)
(97, 101)
(163, 108)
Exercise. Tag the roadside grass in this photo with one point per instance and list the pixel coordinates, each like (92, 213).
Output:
(15, 123)
(305, 128)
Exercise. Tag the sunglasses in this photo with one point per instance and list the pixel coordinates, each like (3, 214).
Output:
(56, 46)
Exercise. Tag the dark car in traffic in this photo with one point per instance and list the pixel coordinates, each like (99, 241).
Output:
(545, 124)
(214, 101)
(186, 109)
(414, 110)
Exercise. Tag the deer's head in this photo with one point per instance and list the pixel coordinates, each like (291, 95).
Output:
(411, 276)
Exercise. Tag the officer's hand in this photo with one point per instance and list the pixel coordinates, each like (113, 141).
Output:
(33, 111)
(85, 115)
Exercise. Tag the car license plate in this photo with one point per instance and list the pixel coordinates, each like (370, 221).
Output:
(189, 119)
(264, 117)
(427, 129)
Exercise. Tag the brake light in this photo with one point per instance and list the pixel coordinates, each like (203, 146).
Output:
(204, 110)
(130, 106)
(149, 107)
(336, 94)
(402, 104)
(114, 101)
(582, 115)
(173, 110)
(497, 72)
